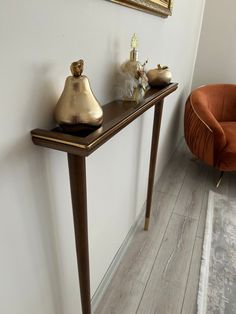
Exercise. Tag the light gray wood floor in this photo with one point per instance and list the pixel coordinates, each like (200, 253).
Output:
(160, 270)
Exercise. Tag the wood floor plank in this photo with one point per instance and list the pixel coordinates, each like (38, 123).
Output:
(202, 219)
(190, 298)
(126, 288)
(173, 175)
(191, 195)
(159, 272)
(166, 287)
(166, 298)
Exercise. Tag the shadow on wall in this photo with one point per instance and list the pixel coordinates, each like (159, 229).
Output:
(114, 68)
(30, 219)
(46, 89)
(27, 204)
(173, 132)
(176, 121)
(41, 192)
(137, 170)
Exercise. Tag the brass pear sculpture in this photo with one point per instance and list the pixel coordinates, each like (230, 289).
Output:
(77, 107)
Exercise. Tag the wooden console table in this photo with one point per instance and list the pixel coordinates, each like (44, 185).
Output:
(117, 115)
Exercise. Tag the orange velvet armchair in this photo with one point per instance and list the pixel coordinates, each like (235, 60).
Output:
(210, 125)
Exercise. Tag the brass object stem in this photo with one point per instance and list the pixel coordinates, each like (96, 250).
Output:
(77, 68)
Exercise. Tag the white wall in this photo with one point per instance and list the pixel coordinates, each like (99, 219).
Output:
(216, 59)
(39, 40)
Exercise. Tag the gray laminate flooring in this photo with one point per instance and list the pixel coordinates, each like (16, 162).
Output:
(159, 272)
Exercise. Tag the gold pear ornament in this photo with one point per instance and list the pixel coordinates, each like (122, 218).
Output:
(78, 108)
(161, 76)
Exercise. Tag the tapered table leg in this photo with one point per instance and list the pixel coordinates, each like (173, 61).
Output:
(77, 171)
(153, 156)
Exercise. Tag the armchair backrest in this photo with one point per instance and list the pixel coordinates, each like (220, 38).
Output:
(219, 99)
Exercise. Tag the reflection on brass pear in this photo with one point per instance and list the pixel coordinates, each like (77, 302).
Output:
(77, 104)
(160, 76)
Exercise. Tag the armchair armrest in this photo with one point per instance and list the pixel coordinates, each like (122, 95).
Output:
(199, 103)
(204, 135)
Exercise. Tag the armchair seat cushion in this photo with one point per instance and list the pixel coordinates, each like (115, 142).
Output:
(227, 157)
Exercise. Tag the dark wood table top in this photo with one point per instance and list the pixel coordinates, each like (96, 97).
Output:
(116, 115)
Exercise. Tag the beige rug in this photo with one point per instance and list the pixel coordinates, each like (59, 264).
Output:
(217, 286)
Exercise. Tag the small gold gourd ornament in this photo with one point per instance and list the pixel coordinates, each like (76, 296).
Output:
(160, 76)
(77, 107)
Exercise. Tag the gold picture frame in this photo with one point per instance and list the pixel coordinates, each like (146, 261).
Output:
(162, 8)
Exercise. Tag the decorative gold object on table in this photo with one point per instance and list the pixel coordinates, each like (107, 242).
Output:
(77, 107)
(160, 76)
(135, 82)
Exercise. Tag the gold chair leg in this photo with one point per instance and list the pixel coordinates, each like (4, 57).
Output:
(194, 159)
(220, 179)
